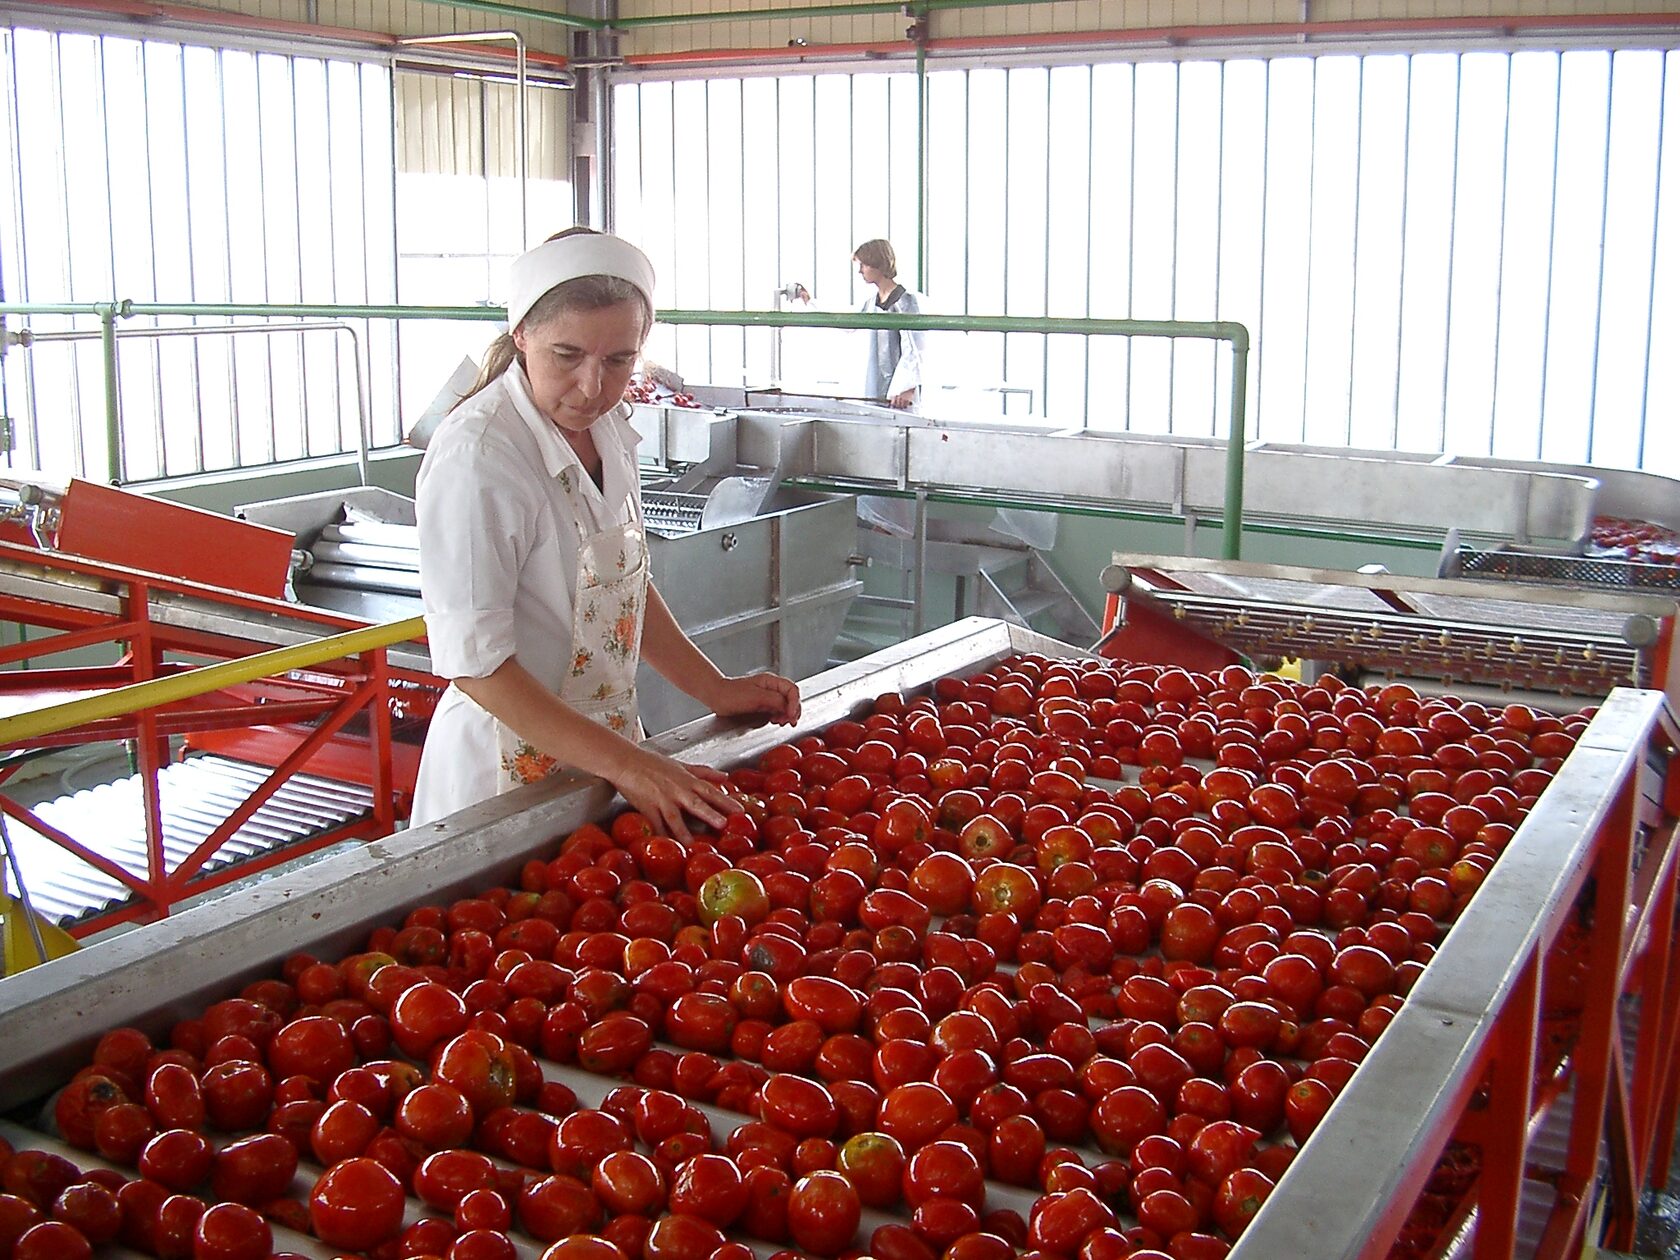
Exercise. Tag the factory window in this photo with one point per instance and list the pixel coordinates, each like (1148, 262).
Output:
(1434, 251)
(163, 172)
(173, 173)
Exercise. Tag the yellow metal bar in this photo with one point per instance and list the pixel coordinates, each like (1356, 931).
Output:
(161, 691)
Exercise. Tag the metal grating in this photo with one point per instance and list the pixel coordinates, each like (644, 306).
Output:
(672, 514)
(196, 794)
(1581, 572)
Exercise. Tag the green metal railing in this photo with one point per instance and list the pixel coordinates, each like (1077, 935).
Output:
(1217, 330)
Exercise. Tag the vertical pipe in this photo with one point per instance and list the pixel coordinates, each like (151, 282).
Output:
(918, 614)
(523, 156)
(113, 413)
(921, 153)
(1234, 450)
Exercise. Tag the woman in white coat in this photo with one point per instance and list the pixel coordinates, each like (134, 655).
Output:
(534, 564)
(894, 370)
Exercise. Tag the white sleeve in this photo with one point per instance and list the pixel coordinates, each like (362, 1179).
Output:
(476, 529)
(908, 374)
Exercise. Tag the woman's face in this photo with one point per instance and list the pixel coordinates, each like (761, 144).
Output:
(870, 275)
(579, 362)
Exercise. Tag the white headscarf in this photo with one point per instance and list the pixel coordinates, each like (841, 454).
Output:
(537, 271)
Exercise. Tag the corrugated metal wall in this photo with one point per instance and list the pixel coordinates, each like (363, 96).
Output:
(401, 17)
(1067, 15)
(454, 125)
(409, 17)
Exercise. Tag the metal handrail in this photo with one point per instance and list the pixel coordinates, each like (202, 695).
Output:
(1206, 330)
(1344, 1197)
(156, 692)
(26, 337)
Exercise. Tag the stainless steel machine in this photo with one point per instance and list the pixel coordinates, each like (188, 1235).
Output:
(759, 575)
(1562, 646)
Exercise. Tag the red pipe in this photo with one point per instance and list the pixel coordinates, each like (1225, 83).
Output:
(220, 19)
(1174, 35)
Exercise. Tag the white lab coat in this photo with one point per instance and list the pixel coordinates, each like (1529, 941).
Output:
(895, 357)
(499, 547)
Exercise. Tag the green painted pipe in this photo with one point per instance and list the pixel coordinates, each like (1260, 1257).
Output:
(921, 151)
(1214, 330)
(115, 462)
(1097, 512)
(157, 692)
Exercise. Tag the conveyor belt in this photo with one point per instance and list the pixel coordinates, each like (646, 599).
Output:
(196, 795)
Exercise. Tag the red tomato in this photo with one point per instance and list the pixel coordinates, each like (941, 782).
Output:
(947, 1169)
(314, 1045)
(356, 1205)
(629, 1183)
(823, 1213)
(798, 1106)
(174, 1098)
(92, 1209)
(52, 1240)
(177, 1158)
(238, 1094)
(678, 1237)
(232, 1231)
(481, 1066)
(552, 1208)
(709, 1187)
(254, 1170)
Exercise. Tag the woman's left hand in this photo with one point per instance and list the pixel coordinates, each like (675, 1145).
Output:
(771, 695)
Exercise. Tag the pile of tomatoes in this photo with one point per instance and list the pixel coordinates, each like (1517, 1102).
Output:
(948, 984)
(1635, 540)
(651, 392)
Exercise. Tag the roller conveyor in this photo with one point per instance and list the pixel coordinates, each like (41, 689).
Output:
(1342, 1184)
(196, 795)
(1452, 631)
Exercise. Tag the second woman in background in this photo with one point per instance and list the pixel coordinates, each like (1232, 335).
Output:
(894, 369)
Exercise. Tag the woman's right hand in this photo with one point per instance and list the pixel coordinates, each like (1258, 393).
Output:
(667, 792)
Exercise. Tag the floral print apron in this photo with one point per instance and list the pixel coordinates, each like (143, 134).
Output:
(608, 605)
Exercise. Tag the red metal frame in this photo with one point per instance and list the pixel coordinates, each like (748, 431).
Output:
(296, 722)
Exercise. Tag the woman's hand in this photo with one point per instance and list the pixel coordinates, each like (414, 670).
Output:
(667, 791)
(770, 695)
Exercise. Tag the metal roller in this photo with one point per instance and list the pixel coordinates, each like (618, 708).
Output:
(366, 554)
(364, 578)
(373, 534)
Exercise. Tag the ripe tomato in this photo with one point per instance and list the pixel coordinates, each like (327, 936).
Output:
(710, 1187)
(232, 1231)
(52, 1240)
(356, 1205)
(314, 1045)
(92, 1209)
(444, 1178)
(174, 1098)
(481, 1066)
(177, 1158)
(948, 1169)
(254, 1170)
(678, 1237)
(555, 1207)
(823, 1213)
(798, 1106)
(629, 1183)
